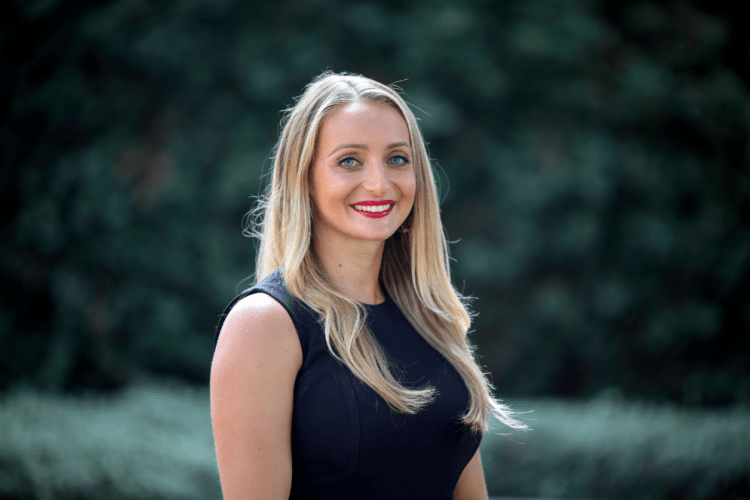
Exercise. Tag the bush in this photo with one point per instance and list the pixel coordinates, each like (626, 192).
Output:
(150, 441)
(612, 449)
(155, 441)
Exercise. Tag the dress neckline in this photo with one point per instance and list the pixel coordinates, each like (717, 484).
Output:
(375, 307)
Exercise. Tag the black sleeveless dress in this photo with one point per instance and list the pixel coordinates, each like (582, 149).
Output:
(346, 442)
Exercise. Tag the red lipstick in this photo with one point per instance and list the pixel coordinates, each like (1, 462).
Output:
(374, 203)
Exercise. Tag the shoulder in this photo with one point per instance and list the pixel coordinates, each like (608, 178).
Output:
(253, 374)
(256, 326)
(257, 309)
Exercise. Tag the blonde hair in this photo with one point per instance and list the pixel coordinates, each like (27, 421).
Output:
(414, 270)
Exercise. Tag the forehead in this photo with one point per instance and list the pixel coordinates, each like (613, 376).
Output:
(363, 122)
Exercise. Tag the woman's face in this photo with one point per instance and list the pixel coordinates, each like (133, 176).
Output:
(362, 181)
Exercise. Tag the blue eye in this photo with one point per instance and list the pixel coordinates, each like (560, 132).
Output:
(400, 160)
(348, 162)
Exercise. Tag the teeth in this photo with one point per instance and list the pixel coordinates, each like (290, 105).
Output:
(376, 208)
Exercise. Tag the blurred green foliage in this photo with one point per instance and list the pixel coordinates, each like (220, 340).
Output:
(150, 441)
(155, 441)
(608, 448)
(593, 159)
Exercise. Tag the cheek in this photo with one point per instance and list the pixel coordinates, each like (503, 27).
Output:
(334, 191)
(329, 193)
(410, 187)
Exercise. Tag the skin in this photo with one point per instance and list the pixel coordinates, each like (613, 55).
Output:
(471, 485)
(356, 161)
(362, 154)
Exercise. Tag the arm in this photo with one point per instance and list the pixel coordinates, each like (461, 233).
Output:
(470, 485)
(255, 364)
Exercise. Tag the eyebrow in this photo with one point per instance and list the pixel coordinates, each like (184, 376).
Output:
(366, 148)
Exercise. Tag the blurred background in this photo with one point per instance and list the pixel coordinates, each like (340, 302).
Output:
(594, 168)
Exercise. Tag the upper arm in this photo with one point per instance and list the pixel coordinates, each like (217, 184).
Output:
(255, 364)
(471, 485)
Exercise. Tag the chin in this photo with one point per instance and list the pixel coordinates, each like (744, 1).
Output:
(380, 237)
(375, 235)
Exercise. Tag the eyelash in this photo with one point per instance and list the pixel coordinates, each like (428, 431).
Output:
(403, 157)
(405, 162)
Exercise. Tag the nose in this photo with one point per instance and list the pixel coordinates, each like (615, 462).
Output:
(376, 180)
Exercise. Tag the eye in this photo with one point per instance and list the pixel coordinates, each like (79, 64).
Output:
(398, 160)
(348, 162)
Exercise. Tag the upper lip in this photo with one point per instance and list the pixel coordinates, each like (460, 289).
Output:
(374, 203)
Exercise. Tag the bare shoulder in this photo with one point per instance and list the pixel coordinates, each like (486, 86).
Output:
(257, 357)
(257, 324)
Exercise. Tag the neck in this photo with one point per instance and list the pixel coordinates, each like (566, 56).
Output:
(353, 266)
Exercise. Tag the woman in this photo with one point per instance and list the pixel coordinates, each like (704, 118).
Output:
(346, 371)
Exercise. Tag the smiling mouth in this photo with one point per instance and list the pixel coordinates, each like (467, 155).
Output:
(374, 211)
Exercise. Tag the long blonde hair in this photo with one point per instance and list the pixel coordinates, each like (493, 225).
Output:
(414, 270)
